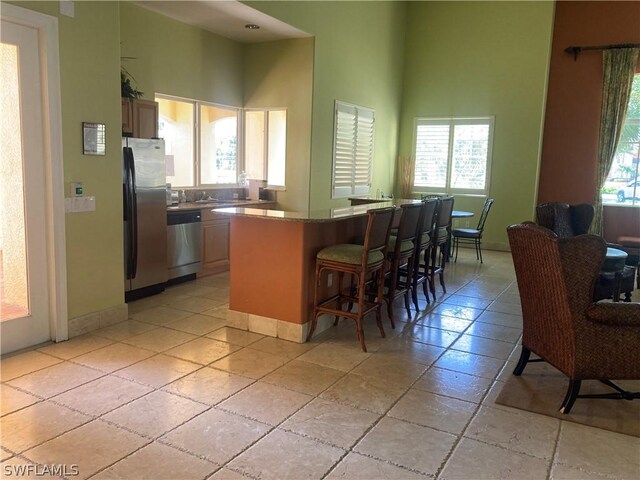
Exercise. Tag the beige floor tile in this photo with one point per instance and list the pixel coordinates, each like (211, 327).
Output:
(453, 384)
(36, 424)
(196, 304)
(563, 472)
(335, 356)
(158, 462)
(122, 330)
(197, 324)
(209, 385)
(155, 414)
(458, 311)
(235, 336)
(250, 363)
(366, 393)
(266, 403)
(304, 377)
(478, 292)
(12, 399)
(277, 346)
(55, 379)
(431, 336)
(480, 461)
(202, 350)
(23, 363)
(191, 289)
(114, 357)
(283, 455)
(599, 451)
(76, 346)
(161, 315)
(504, 319)
(390, 369)
(496, 332)
(158, 371)
(101, 395)
(160, 339)
(519, 431)
(331, 422)
(407, 349)
(469, 302)
(442, 322)
(218, 312)
(411, 446)
(431, 410)
(505, 307)
(216, 435)
(483, 346)
(5, 454)
(358, 467)
(469, 363)
(108, 445)
(226, 474)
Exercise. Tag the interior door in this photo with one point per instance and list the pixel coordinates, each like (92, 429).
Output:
(24, 292)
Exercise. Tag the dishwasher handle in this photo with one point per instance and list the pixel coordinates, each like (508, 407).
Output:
(180, 218)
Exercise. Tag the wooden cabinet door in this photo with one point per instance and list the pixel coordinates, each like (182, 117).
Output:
(215, 246)
(145, 119)
(127, 117)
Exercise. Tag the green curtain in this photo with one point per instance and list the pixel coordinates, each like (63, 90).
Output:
(619, 67)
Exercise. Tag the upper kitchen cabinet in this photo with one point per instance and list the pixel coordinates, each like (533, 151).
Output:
(139, 118)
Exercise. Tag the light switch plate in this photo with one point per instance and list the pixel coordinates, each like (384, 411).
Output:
(79, 204)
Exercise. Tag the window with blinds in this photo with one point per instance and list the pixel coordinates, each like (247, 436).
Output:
(352, 150)
(453, 155)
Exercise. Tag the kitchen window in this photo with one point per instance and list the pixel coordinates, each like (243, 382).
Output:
(201, 142)
(352, 150)
(265, 145)
(453, 155)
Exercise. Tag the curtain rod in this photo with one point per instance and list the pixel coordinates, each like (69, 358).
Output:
(576, 50)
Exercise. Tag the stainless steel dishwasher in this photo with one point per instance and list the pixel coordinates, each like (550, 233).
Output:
(184, 243)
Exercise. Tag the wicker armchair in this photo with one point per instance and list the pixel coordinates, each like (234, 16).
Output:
(561, 324)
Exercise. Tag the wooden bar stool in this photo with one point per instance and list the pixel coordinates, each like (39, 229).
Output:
(360, 261)
(441, 240)
(423, 250)
(400, 255)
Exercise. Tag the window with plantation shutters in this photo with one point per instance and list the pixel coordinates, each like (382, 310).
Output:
(352, 150)
(453, 155)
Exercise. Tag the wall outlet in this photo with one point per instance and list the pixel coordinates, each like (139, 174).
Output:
(330, 280)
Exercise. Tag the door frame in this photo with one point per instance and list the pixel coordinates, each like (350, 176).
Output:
(47, 27)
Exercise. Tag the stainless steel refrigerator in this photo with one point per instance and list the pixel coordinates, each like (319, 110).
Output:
(145, 216)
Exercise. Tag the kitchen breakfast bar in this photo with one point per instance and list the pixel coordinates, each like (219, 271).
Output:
(272, 259)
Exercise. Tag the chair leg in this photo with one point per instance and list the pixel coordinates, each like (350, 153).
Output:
(522, 362)
(314, 322)
(414, 281)
(456, 247)
(570, 397)
(432, 283)
(359, 318)
(480, 248)
(379, 301)
(441, 274)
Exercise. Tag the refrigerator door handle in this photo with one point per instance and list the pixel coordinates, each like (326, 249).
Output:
(128, 211)
(134, 216)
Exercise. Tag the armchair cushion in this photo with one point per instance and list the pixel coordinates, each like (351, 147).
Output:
(615, 314)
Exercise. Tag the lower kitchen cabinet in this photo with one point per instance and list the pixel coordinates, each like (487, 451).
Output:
(215, 246)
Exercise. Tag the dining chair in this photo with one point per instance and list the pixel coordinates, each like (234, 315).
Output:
(441, 243)
(472, 235)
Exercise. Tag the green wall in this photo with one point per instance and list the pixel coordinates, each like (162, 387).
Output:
(280, 74)
(477, 59)
(358, 59)
(89, 67)
(177, 59)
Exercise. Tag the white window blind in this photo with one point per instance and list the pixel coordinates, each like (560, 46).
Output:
(353, 150)
(453, 155)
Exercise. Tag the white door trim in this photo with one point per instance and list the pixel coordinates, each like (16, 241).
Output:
(47, 27)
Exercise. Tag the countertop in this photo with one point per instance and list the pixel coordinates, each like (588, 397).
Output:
(315, 216)
(217, 204)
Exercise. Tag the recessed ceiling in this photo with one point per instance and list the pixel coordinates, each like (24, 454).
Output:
(226, 18)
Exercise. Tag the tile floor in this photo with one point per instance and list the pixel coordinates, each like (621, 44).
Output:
(173, 393)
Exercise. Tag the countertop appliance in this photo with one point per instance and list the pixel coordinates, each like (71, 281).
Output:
(184, 243)
(145, 214)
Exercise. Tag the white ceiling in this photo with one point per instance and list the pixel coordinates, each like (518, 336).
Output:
(226, 18)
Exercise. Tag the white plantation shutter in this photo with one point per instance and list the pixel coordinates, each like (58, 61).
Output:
(453, 155)
(353, 150)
